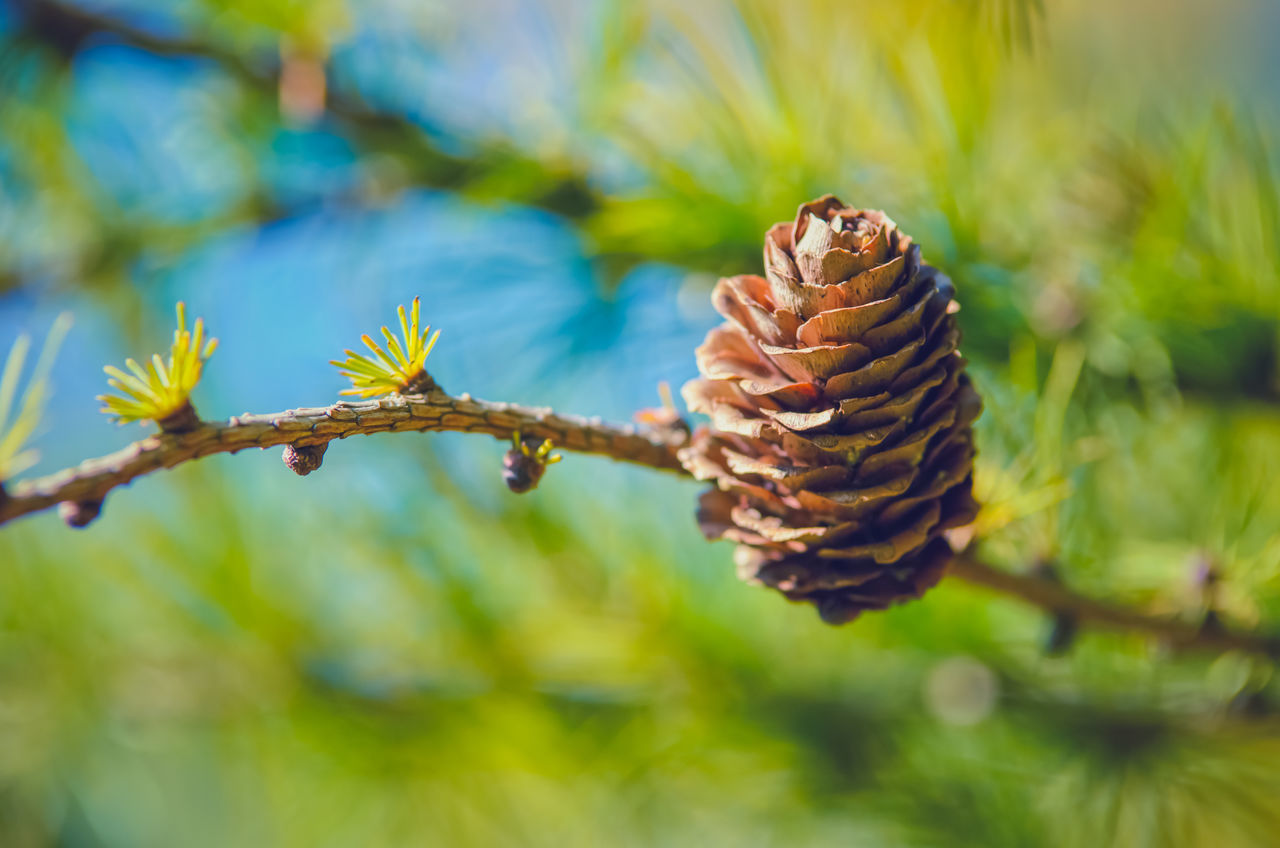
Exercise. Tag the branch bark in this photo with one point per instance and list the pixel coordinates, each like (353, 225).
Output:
(81, 489)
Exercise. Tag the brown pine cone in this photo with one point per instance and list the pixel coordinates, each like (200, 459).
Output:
(840, 444)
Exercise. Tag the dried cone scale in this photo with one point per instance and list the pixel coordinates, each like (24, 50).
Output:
(840, 444)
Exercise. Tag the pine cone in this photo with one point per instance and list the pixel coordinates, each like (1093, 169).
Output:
(840, 444)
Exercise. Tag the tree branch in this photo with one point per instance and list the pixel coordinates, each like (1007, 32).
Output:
(1054, 597)
(93, 479)
(82, 489)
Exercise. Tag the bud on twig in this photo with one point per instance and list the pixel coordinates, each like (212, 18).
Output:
(183, 420)
(1062, 635)
(303, 459)
(79, 514)
(523, 467)
(1065, 626)
(1206, 579)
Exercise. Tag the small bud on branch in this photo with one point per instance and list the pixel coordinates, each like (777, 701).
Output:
(523, 467)
(303, 459)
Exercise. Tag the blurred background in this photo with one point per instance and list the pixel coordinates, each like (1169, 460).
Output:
(398, 651)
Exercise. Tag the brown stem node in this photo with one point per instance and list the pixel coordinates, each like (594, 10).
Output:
(303, 459)
(525, 463)
(423, 383)
(79, 514)
(1062, 635)
(182, 420)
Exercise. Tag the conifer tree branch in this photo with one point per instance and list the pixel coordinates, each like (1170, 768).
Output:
(85, 486)
(1054, 597)
(93, 479)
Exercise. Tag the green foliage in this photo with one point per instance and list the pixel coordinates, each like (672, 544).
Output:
(400, 368)
(164, 387)
(19, 419)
